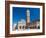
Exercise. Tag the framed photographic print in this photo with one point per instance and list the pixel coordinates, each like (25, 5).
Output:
(24, 18)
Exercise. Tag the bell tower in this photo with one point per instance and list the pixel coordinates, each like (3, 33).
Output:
(28, 16)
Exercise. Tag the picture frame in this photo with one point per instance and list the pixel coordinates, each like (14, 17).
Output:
(12, 5)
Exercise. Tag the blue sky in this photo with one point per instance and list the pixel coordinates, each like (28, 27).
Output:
(20, 13)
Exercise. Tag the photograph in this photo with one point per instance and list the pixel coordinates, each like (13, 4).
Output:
(25, 18)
